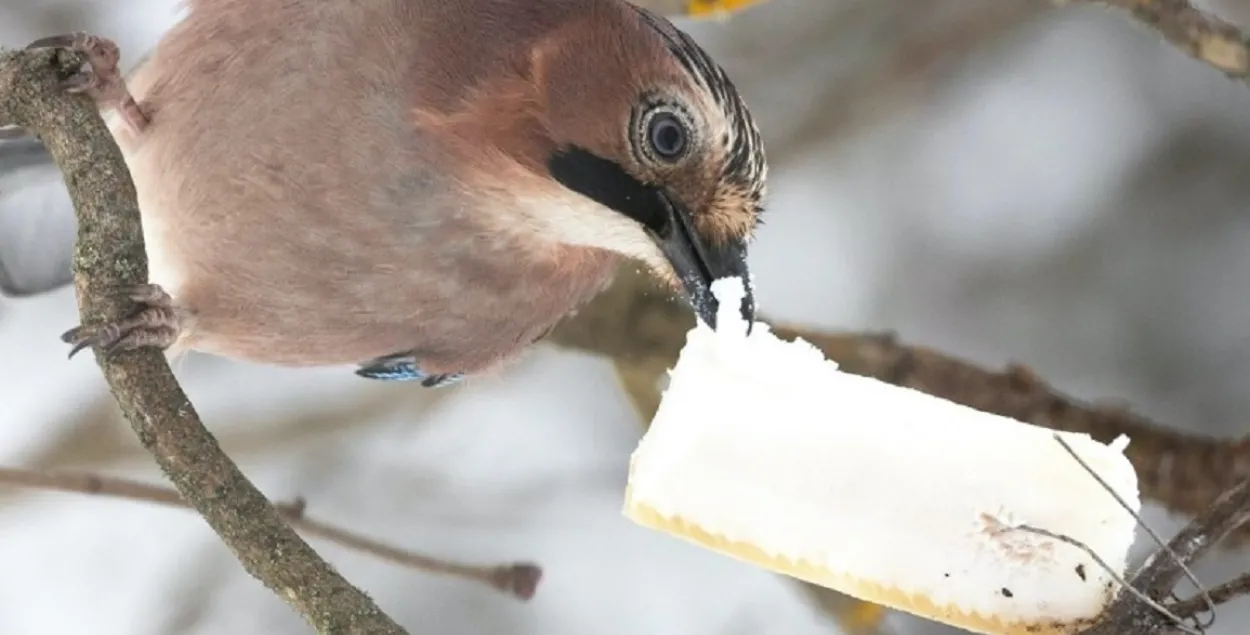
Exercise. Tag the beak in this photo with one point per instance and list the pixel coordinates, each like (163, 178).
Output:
(698, 263)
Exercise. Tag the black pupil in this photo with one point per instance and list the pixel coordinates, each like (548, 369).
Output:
(667, 136)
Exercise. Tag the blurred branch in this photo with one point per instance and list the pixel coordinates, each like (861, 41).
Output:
(519, 579)
(1181, 471)
(96, 436)
(109, 255)
(852, 615)
(642, 328)
(1203, 36)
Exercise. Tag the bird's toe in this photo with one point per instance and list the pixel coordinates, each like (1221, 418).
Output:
(60, 40)
(101, 77)
(150, 295)
(155, 325)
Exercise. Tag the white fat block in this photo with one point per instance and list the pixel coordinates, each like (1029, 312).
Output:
(765, 451)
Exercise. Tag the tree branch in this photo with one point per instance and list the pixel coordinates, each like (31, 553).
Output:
(519, 579)
(1233, 589)
(109, 256)
(642, 328)
(1159, 575)
(1203, 36)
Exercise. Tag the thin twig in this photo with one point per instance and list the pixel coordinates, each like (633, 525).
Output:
(1154, 535)
(1159, 575)
(1231, 590)
(1123, 584)
(519, 578)
(110, 255)
(1203, 36)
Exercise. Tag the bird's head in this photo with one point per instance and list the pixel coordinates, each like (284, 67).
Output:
(647, 126)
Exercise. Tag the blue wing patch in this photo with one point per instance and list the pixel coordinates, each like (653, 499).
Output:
(404, 368)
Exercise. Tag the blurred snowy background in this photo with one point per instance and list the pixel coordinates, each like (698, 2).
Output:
(998, 179)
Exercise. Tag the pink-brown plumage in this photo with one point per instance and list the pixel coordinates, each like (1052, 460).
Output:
(328, 181)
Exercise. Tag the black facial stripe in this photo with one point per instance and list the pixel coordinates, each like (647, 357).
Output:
(608, 183)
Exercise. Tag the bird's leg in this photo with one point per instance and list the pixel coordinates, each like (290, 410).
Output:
(154, 325)
(101, 78)
(403, 367)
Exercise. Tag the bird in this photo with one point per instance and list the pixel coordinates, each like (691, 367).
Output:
(419, 188)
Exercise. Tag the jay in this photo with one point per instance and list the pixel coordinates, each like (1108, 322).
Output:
(420, 188)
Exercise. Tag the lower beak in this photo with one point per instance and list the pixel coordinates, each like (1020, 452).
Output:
(698, 263)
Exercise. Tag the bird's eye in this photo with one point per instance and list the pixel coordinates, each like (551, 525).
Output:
(667, 136)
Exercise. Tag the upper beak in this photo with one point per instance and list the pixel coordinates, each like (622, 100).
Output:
(699, 262)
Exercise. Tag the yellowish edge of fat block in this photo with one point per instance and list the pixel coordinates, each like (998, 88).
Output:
(866, 590)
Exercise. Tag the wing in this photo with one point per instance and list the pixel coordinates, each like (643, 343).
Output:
(37, 223)
(403, 367)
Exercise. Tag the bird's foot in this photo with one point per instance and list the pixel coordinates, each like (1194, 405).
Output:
(403, 367)
(154, 325)
(101, 77)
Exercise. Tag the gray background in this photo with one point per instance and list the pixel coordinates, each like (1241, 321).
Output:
(1002, 180)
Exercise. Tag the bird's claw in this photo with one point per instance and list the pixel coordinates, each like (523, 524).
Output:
(154, 325)
(101, 77)
(60, 41)
(101, 69)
